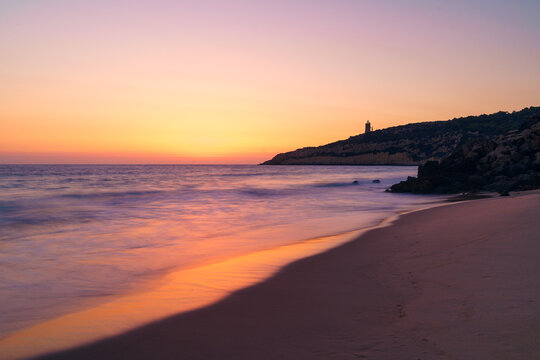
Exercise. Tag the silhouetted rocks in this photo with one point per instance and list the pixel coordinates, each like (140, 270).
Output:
(507, 163)
(376, 181)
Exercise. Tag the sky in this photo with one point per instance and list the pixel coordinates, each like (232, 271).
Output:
(237, 81)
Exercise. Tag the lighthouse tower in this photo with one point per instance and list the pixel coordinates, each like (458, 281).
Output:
(368, 127)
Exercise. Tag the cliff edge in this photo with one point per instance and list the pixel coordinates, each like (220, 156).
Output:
(411, 144)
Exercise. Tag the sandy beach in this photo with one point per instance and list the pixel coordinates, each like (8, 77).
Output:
(454, 282)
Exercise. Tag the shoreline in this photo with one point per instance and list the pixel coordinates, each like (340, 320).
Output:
(456, 281)
(178, 292)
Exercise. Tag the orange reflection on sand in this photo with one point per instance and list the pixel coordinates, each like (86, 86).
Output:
(180, 291)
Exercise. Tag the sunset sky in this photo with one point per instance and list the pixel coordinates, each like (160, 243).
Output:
(163, 81)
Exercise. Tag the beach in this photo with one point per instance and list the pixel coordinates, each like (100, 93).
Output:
(452, 282)
(269, 180)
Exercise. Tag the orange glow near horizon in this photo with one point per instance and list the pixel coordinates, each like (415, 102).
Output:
(162, 81)
(130, 158)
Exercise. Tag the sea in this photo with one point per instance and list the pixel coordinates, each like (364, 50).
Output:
(76, 237)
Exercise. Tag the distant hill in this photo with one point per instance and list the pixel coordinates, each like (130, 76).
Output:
(411, 144)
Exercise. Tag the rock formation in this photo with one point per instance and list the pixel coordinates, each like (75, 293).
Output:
(506, 163)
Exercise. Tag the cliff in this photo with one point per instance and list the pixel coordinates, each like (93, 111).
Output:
(506, 163)
(411, 144)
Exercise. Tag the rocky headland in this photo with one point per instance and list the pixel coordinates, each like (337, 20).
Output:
(506, 163)
(411, 144)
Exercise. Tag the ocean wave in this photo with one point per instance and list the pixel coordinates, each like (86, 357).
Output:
(111, 194)
(263, 192)
(7, 207)
(343, 184)
(244, 174)
(44, 216)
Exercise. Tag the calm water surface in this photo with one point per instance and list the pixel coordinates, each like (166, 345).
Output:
(72, 236)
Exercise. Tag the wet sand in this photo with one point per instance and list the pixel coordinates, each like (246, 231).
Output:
(455, 282)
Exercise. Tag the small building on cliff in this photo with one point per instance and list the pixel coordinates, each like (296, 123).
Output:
(368, 127)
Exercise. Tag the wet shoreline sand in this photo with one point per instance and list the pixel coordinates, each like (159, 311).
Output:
(457, 281)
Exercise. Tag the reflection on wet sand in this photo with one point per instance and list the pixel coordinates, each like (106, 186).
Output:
(179, 291)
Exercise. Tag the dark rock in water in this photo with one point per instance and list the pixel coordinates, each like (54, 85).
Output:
(504, 193)
(506, 163)
(355, 182)
(376, 181)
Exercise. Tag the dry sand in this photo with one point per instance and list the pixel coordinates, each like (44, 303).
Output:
(455, 282)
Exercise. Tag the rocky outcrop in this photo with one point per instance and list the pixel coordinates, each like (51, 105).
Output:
(411, 144)
(506, 163)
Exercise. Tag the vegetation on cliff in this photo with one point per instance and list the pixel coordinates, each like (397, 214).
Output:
(506, 163)
(411, 144)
